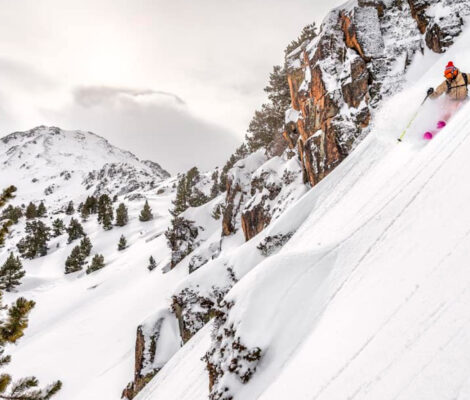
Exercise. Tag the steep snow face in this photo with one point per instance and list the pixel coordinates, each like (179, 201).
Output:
(369, 299)
(48, 161)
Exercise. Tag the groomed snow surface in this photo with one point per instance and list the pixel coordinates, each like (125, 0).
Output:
(370, 298)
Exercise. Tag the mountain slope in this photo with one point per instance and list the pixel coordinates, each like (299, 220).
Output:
(369, 298)
(58, 164)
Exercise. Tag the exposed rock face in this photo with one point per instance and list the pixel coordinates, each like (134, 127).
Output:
(359, 56)
(149, 356)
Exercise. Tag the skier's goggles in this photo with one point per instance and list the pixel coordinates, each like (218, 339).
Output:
(451, 73)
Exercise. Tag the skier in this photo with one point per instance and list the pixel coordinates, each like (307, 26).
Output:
(456, 90)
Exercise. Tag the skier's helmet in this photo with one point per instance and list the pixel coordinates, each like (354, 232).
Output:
(451, 71)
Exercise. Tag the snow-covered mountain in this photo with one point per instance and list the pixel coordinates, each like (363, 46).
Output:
(60, 165)
(330, 265)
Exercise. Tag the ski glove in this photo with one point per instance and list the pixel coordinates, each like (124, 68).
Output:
(430, 91)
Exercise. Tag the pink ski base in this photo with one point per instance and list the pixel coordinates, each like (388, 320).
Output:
(428, 136)
(441, 124)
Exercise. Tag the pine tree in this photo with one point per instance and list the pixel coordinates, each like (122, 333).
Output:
(181, 237)
(121, 215)
(105, 212)
(11, 273)
(152, 264)
(197, 198)
(215, 184)
(122, 245)
(308, 33)
(12, 213)
(31, 211)
(7, 195)
(74, 261)
(90, 205)
(146, 213)
(41, 211)
(74, 230)
(85, 247)
(84, 213)
(35, 242)
(70, 209)
(181, 201)
(58, 227)
(96, 264)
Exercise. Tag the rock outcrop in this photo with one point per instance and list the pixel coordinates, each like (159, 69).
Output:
(359, 56)
(156, 342)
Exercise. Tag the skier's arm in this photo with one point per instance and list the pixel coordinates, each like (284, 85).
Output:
(440, 90)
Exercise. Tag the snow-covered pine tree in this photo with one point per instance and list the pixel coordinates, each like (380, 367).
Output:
(84, 213)
(58, 227)
(12, 326)
(70, 209)
(152, 264)
(31, 211)
(146, 213)
(11, 273)
(74, 261)
(85, 247)
(74, 230)
(91, 205)
(105, 212)
(35, 242)
(96, 264)
(121, 215)
(41, 211)
(122, 245)
(181, 237)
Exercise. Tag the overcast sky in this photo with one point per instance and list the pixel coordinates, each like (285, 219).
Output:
(174, 81)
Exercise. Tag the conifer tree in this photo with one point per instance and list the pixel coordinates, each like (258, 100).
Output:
(85, 247)
(35, 242)
(90, 205)
(96, 264)
(84, 213)
(12, 213)
(122, 245)
(181, 237)
(7, 195)
(58, 227)
(31, 211)
(152, 264)
(41, 211)
(74, 230)
(121, 215)
(70, 209)
(12, 327)
(181, 201)
(11, 273)
(74, 261)
(215, 184)
(146, 213)
(105, 212)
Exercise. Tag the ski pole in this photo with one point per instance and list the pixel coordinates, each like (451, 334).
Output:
(412, 120)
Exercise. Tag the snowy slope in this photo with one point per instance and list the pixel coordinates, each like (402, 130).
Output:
(370, 297)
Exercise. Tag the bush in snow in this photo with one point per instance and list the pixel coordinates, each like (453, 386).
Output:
(272, 244)
(12, 213)
(11, 273)
(74, 261)
(105, 212)
(152, 264)
(41, 211)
